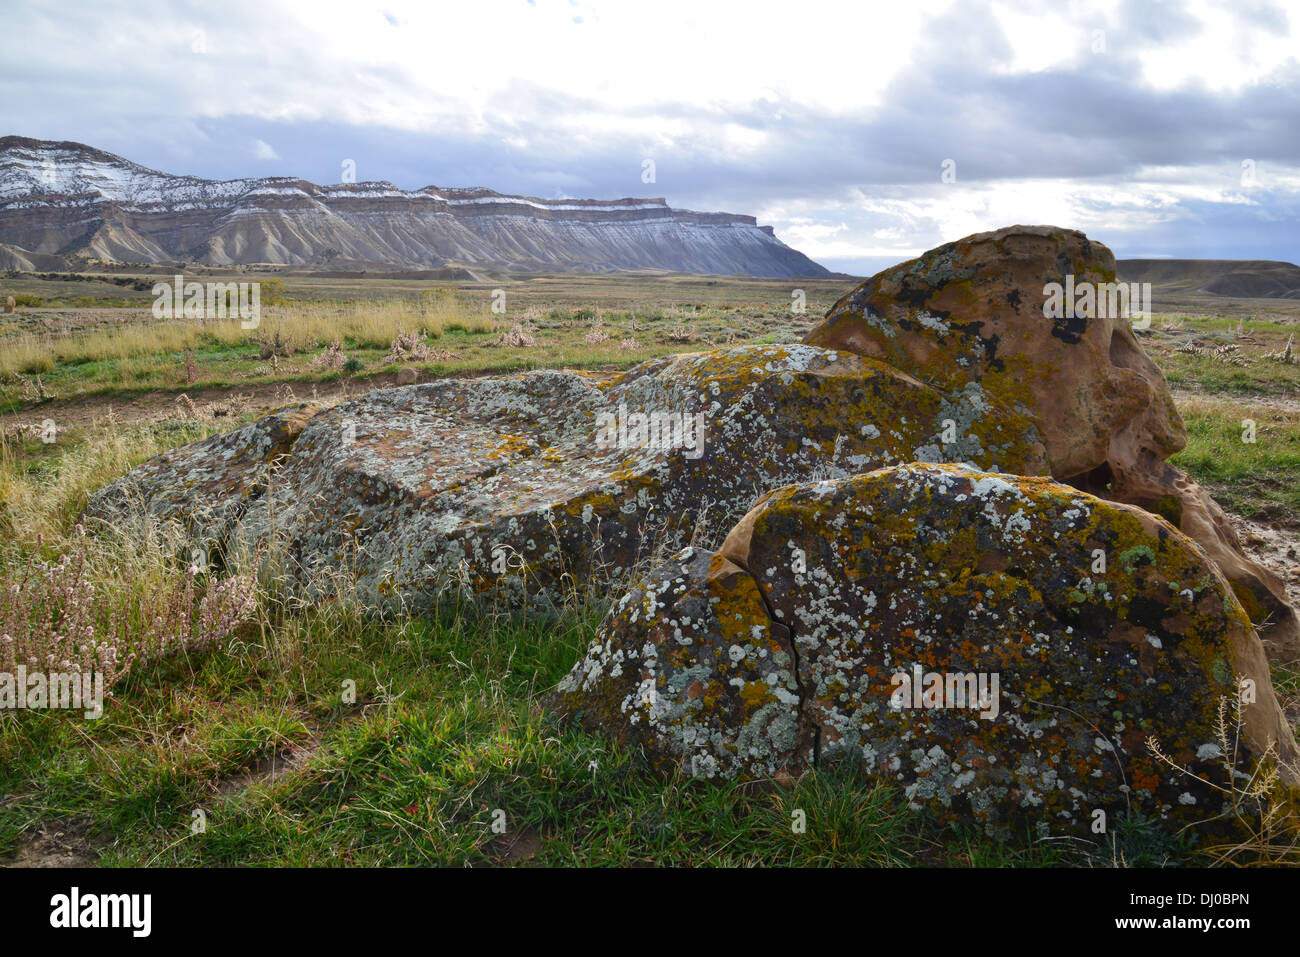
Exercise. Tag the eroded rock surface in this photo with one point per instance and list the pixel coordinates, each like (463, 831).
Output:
(782, 650)
(526, 486)
(973, 311)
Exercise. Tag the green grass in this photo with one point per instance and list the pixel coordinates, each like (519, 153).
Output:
(1259, 479)
(1202, 373)
(450, 723)
(133, 356)
(448, 729)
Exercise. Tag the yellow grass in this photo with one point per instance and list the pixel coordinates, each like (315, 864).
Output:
(43, 503)
(301, 326)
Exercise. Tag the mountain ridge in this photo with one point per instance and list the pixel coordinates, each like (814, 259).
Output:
(65, 199)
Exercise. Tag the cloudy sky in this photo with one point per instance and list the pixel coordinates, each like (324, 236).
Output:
(864, 132)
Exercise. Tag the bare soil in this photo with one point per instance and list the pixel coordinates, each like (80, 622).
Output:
(271, 768)
(62, 844)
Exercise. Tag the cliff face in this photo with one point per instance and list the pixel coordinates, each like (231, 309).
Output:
(67, 199)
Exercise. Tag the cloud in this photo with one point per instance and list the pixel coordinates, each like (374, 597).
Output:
(264, 151)
(830, 122)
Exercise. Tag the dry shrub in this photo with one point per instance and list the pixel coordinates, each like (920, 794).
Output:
(62, 615)
(331, 358)
(519, 336)
(74, 602)
(1285, 354)
(232, 406)
(274, 345)
(1260, 808)
(414, 347)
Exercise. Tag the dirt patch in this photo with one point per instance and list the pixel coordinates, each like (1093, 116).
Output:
(516, 847)
(271, 768)
(55, 845)
(1276, 547)
(263, 398)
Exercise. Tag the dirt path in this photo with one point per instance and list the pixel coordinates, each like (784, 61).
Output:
(269, 769)
(155, 406)
(83, 410)
(67, 844)
(1277, 548)
(158, 405)
(1282, 403)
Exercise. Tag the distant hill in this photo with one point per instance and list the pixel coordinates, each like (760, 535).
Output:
(1233, 278)
(65, 200)
(24, 260)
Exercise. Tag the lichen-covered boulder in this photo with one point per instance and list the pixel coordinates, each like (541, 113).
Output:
(692, 668)
(525, 486)
(206, 485)
(1034, 315)
(1000, 648)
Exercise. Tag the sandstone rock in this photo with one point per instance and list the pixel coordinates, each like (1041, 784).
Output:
(780, 651)
(972, 311)
(408, 376)
(525, 487)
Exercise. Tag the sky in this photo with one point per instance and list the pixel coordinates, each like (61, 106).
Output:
(864, 132)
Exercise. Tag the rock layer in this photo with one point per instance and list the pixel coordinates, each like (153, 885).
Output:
(60, 200)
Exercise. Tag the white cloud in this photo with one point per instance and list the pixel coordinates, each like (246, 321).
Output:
(816, 118)
(1229, 52)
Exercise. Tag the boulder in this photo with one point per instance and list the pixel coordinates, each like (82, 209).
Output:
(526, 487)
(1061, 630)
(983, 310)
(692, 669)
(205, 486)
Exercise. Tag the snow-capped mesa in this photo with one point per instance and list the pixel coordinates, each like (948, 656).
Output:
(60, 200)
